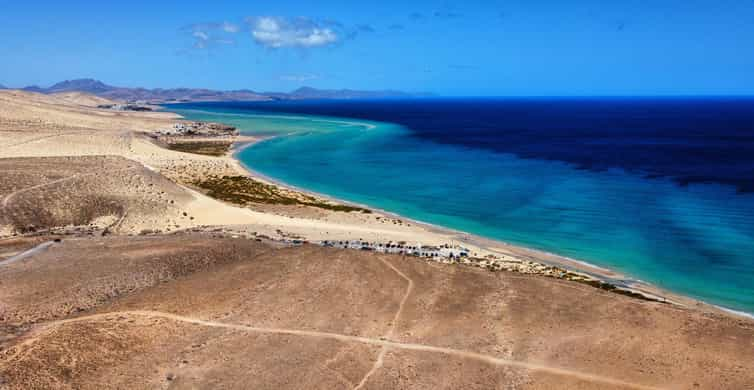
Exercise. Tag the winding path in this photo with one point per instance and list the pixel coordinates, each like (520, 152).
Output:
(381, 357)
(349, 339)
(7, 198)
(28, 141)
(10, 196)
(384, 342)
(27, 253)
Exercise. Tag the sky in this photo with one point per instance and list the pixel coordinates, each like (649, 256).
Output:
(470, 47)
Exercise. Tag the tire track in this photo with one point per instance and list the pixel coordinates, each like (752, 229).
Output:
(10, 196)
(28, 141)
(28, 253)
(7, 199)
(381, 356)
(496, 361)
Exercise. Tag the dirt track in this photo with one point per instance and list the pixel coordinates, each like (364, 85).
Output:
(27, 253)
(381, 357)
(383, 342)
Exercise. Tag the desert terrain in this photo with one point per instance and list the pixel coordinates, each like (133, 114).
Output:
(206, 310)
(125, 263)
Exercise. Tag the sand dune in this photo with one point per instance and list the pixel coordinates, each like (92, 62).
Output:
(72, 130)
(82, 99)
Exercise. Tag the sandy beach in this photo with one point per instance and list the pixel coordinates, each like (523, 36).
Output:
(81, 173)
(73, 131)
(73, 127)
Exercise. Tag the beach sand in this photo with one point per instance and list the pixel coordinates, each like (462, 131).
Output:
(72, 130)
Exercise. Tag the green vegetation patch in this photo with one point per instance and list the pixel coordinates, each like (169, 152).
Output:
(243, 190)
(207, 148)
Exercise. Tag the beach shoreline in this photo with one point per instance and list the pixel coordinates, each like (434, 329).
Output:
(169, 180)
(499, 247)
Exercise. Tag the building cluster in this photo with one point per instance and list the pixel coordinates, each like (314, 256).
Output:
(443, 254)
(125, 107)
(199, 129)
(401, 247)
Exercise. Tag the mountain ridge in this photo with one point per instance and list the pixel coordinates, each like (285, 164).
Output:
(173, 95)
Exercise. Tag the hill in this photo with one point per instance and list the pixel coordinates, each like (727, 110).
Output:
(98, 88)
(160, 95)
(207, 310)
(83, 99)
(81, 85)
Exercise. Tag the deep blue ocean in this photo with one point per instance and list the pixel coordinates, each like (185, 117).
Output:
(659, 189)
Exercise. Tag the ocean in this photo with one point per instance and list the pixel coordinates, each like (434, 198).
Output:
(661, 190)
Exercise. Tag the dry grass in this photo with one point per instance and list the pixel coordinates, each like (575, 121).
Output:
(207, 148)
(243, 190)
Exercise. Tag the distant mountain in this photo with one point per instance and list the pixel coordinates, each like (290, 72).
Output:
(81, 85)
(179, 95)
(98, 88)
(159, 95)
(3, 87)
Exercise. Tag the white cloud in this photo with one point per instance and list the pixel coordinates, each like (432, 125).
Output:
(232, 28)
(206, 35)
(201, 39)
(278, 32)
(299, 77)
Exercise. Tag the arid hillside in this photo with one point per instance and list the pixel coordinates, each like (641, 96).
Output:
(205, 310)
(99, 193)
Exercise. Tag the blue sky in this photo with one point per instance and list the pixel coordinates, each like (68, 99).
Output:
(447, 47)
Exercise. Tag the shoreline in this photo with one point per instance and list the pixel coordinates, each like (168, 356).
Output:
(603, 274)
(131, 136)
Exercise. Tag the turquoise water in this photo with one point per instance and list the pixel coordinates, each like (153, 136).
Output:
(697, 240)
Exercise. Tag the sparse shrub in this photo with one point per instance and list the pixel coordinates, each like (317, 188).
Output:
(243, 190)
